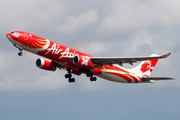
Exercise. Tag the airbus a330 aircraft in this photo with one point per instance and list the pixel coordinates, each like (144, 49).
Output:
(76, 62)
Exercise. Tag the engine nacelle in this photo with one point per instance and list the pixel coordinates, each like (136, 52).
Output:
(83, 62)
(45, 64)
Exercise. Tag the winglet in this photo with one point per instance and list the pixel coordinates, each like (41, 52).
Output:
(166, 55)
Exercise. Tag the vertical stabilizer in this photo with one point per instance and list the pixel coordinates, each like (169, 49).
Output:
(145, 68)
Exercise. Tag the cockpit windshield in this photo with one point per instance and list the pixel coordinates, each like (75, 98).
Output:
(15, 34)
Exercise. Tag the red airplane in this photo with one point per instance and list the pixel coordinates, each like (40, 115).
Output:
(76, 62)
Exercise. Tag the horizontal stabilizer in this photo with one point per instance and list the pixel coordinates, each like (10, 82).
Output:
(157, 78)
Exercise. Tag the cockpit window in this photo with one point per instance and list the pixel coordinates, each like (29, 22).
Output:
(12, 32)
(15, 34)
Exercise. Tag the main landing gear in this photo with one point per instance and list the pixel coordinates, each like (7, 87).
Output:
(70, 79)
(69, 75)
(89, 74)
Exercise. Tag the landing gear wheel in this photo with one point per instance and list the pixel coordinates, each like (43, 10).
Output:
(71, 80)
(68, 75)
(20, 53)
(93, 79)
(89, 74)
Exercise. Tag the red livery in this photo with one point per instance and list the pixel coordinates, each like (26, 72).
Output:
(76, 62)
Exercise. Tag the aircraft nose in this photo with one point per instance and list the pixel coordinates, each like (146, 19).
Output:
(8, 36)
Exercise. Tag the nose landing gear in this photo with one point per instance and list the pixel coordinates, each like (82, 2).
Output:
(20, 49)
(69, 75)
(20, 53)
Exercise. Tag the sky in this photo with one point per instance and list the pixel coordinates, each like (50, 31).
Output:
(103, 28)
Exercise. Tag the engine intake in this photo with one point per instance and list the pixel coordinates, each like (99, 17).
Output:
(45, 64)
(83, 62)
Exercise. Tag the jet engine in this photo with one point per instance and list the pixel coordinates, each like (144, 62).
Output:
(45, 64)
(83, 62)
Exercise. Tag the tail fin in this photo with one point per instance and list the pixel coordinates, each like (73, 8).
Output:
(145, 68)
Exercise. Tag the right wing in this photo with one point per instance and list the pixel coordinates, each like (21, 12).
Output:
(100, 61)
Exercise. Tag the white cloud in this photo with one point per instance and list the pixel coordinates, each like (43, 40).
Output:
(87, 85)
(50, 80)
(134, 14)
(30, 15)
(73, 24)
(6, 61)
(92, 47)
(140, 39)
(46, 81)
(21, 73)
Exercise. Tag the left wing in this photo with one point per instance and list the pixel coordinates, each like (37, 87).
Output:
(152, 79)
(157, 78)
(100, 61)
